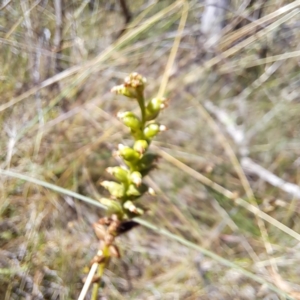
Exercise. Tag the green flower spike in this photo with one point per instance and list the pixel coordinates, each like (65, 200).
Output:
(122, 206)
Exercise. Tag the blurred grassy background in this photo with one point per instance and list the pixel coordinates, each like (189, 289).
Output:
(233, 101)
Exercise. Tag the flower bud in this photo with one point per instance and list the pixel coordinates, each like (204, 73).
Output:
(134, 191)
(130, 120)
(119, 173)
(128, 153)
(125, 91)
(112, 206)
(140, 146)
(132, 208)
(133, 86)
(136, 178)
(154, 107)
(135, 80)
(115, 189)
(153, 129)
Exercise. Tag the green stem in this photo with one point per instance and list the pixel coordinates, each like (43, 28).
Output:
(100, 272)
(141, 102)
(96, 285)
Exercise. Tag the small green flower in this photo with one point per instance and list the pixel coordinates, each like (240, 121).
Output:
(140, 146)
(154, 107)
(135, 80)
(128, 153)
(133, 86)
(153, 129)
(130, 120)
(132, 208)
(120, 173)
(114, 207)
(133, 191)
(136, 178)
(115, 189)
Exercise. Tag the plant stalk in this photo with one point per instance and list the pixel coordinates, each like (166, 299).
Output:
(141, 102)
(100, 271)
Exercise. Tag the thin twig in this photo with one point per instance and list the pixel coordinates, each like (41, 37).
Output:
(101, 268)
(253, 168)
(171, 59)
(4, 5)
(52, 187)
(57, 40)
(88, 281)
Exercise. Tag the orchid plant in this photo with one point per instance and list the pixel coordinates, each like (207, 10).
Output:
(122, 203)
